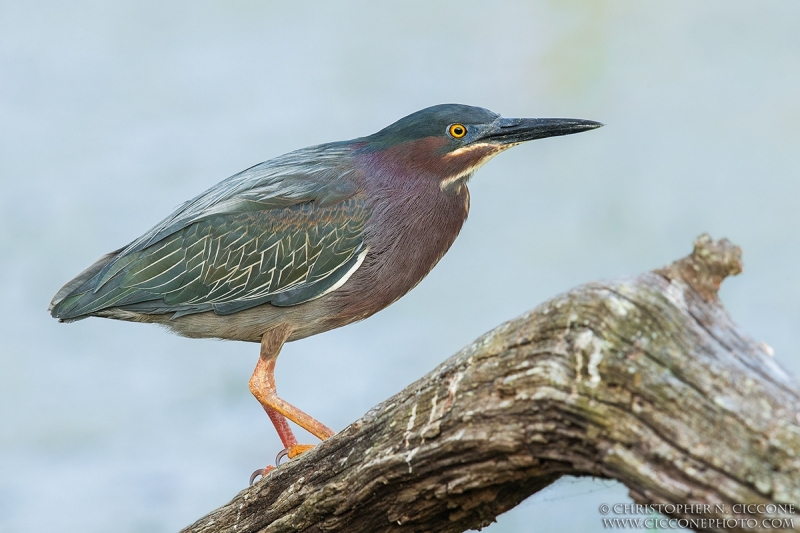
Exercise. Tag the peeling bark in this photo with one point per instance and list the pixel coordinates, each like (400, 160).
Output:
(644, 379)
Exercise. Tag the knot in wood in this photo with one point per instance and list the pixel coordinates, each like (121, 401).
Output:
(709, 263)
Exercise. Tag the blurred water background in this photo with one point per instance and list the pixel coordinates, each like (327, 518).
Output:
(113, 113)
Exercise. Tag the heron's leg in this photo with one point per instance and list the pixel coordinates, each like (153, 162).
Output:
(282, 427)
(262, 385)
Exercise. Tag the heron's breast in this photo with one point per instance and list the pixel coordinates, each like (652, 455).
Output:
(406, 237)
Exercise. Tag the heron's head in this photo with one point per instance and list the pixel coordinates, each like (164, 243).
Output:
(448, 142)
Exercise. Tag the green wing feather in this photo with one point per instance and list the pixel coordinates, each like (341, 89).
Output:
(286, 239)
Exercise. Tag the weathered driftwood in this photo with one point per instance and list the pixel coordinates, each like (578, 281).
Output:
(645, 380)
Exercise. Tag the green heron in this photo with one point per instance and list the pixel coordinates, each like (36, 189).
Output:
(306, 242)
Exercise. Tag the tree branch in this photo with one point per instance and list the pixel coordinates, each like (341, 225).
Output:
(645, 380)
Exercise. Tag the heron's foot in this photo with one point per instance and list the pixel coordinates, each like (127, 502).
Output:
(260, 472)
(292, 451)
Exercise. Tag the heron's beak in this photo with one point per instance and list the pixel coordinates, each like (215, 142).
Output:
(511, 131)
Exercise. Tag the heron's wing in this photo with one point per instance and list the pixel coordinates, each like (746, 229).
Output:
(319, 174)
(285, 240)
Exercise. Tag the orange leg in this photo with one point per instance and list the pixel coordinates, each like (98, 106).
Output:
(262, 385)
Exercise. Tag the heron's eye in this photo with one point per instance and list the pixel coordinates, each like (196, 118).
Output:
(457, 130)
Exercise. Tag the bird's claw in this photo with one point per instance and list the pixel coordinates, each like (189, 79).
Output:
(292, 451)
(261, 472)
(281, 454)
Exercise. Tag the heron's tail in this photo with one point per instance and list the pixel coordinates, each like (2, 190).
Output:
(80, 284)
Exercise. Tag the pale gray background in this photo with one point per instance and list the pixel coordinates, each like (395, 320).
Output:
(113, 113)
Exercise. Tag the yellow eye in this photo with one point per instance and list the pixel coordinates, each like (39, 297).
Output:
(457, 130)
